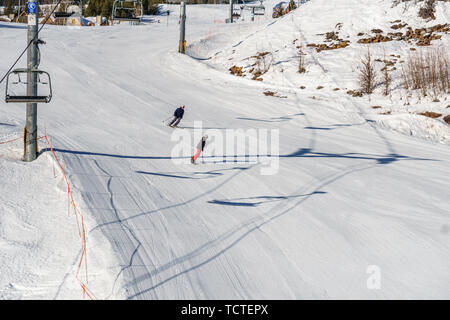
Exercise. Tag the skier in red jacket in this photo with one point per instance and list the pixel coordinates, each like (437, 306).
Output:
(200, 147)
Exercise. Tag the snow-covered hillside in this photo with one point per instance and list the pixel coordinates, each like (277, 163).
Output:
(334, 71)
(350, 196)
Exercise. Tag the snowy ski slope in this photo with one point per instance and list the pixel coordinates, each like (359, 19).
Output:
(348, 195)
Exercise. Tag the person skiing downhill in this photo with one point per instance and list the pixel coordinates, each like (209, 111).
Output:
(177, 116)
(200, 147)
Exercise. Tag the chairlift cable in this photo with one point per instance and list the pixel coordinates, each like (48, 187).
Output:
(31, 41)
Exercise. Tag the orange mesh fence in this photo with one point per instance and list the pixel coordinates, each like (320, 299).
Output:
(79, 218)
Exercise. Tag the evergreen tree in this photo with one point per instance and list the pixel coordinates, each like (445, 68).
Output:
(107, 8)
(292, 5)
(150, 6)
(9, 9)
(90, 10)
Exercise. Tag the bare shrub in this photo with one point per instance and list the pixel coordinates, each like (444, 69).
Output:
(367, 74)
(264, 61)
(386, 77)
(386, 81)
(447, 119)
(301, 60)
(427, 72)
(427, 10)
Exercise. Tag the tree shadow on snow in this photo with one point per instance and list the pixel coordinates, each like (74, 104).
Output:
(13, 26)
(300, 153)
(196, 175)
(273, 119)
(333, 126)
(266, 199)
(7, 124)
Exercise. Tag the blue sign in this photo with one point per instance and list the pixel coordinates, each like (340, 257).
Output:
(31, 7)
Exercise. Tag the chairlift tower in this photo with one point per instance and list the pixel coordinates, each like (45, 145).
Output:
(30, 138)
(231, 11)
(33, 78)
(182, 43)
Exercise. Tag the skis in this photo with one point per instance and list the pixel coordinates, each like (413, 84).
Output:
(174, 127)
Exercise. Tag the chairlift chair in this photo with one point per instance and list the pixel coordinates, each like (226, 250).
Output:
(35, 74)
(133, 8)
(65, 6)
(62, 15)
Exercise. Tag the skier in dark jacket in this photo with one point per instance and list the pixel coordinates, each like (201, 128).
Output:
(177, 116)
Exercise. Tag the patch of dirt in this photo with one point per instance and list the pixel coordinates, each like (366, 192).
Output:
(354, 93)
(447, 119)
(422, 36)
(273, 94)
(235, 70)
(430, 114)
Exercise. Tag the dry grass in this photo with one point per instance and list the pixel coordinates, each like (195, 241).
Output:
(427, 72)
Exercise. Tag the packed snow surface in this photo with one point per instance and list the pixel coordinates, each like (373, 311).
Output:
(358, 208)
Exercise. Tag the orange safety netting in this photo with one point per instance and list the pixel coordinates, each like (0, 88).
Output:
(78, 216)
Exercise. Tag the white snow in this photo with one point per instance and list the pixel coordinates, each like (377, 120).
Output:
(40, 246)
(350, 193)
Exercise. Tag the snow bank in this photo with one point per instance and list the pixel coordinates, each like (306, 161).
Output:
(39, 235)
